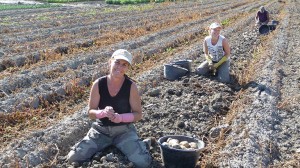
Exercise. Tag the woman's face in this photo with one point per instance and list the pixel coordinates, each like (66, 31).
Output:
(118, 67)
(215, 32)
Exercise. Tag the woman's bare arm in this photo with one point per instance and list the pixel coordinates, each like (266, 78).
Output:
(226, 48)
(135, 102)
(94, 100)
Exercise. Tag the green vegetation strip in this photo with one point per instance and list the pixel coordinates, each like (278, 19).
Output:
(25, 6)
(132, 1)
(126, 1)
(129, 8)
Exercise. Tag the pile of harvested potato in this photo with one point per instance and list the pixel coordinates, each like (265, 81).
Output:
(175, 143)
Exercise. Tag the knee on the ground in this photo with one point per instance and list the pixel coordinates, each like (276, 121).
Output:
(74, 157)
(143, 161)
(201, 71)
(224, 80)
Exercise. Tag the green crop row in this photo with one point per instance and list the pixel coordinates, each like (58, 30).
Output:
(24, 6)
(131, 1)
(126, 1)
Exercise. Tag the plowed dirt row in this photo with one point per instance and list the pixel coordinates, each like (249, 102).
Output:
(255, 114)
(61, 41)
(42, 74)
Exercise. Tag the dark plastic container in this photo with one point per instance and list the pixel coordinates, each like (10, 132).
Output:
(187, 64)
(273, 25)
(264, 29)
(179, 158)
(274, 22)
(173, 72)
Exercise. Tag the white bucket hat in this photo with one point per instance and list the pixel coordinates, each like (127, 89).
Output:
(123, 55)
(215, 25)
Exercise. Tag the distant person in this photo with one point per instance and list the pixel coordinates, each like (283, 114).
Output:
(115, 103)
(262, 16)
(217, 51)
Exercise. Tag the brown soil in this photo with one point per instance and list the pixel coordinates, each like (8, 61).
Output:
(49, 57)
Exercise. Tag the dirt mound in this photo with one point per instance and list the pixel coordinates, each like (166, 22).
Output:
(47, 67)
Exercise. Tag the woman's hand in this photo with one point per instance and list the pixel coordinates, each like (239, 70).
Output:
(107, 112)
(211, 66)
(117, 118)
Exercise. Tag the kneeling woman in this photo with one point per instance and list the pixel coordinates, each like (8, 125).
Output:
(217, 51)
(116, 104)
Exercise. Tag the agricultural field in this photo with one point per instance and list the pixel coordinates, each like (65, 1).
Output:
(50, 56)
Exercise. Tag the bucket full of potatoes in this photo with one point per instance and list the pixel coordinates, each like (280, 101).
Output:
(179, 151)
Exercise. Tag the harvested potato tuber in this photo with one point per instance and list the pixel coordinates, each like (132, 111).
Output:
(176, 144)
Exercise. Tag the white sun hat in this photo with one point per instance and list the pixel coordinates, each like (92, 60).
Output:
(123, 55)
(215, 25)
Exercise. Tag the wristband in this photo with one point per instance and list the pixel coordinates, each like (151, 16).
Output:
(127, 117)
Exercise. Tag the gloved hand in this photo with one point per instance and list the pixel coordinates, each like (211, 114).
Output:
(211, 66)
(208, 59)
(127, 117)
(107, 112)
(216, 65)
